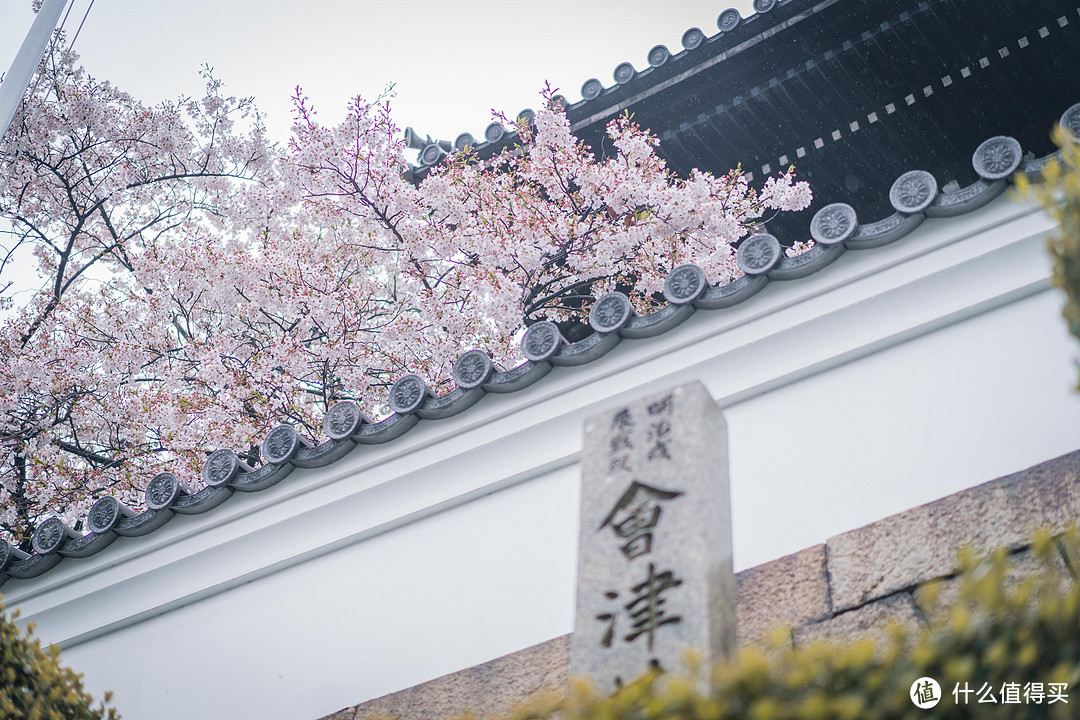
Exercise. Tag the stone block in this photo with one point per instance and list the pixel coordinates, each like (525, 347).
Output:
(790, 591)
(922, 543)
(655, 576)
(485, 690)
(1056, 483)
(1022, 565)
(870, 621)
(1069, 547)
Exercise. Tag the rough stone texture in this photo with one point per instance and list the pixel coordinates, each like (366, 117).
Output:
(654, 560)
(791, 591)
(1056, 484)
(870, 621)
(921, 544)
(1070, 560)
(485, 690)
(1021, 565)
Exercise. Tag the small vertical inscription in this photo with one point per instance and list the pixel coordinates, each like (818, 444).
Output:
(654, 570)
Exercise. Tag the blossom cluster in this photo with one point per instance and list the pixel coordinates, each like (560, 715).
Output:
(201, 284)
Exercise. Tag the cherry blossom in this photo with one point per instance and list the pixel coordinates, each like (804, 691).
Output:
(200, 284)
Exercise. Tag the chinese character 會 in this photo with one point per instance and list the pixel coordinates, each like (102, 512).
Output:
(634, 516)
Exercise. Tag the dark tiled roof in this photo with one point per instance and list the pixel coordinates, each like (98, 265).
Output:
(836, 228)
(629, 85)
(851, 93)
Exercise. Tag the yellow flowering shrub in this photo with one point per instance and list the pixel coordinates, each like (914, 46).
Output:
(35, 686)
(1059, 193)
(997, 631)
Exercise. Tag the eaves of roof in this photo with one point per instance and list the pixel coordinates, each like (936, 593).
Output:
(630, 86)
(850, 93)
(835, 228)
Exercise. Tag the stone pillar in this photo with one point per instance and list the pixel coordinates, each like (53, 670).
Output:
(654, 565)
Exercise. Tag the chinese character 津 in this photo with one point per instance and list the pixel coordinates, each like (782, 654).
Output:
(645, 609)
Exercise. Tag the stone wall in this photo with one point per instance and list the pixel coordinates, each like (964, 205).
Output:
(855, 584)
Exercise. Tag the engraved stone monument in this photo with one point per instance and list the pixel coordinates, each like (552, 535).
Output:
(654, 564)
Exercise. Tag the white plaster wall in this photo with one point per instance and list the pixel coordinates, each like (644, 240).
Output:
(902, 427)
(449, 591)
(891, 378)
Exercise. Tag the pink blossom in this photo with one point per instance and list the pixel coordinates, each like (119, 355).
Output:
(201, 285)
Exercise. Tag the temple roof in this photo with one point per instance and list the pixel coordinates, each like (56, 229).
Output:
(851, 96)
(925, 113)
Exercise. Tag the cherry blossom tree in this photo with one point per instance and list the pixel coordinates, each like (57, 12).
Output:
(90, 180)
(538, 230)
(201, 284)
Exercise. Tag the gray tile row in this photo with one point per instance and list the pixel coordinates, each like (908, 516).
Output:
(835, 228)
(432, 151)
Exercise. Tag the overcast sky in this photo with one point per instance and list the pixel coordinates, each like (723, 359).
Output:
(451, 62)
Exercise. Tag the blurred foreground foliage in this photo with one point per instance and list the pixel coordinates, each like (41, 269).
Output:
(35, 686)
(1059, 193)
(999, 625)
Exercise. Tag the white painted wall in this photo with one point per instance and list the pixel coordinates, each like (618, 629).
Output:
(405, 605)
(934, 415)
(894, 377)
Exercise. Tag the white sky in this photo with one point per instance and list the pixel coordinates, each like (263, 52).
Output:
(451, 61)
